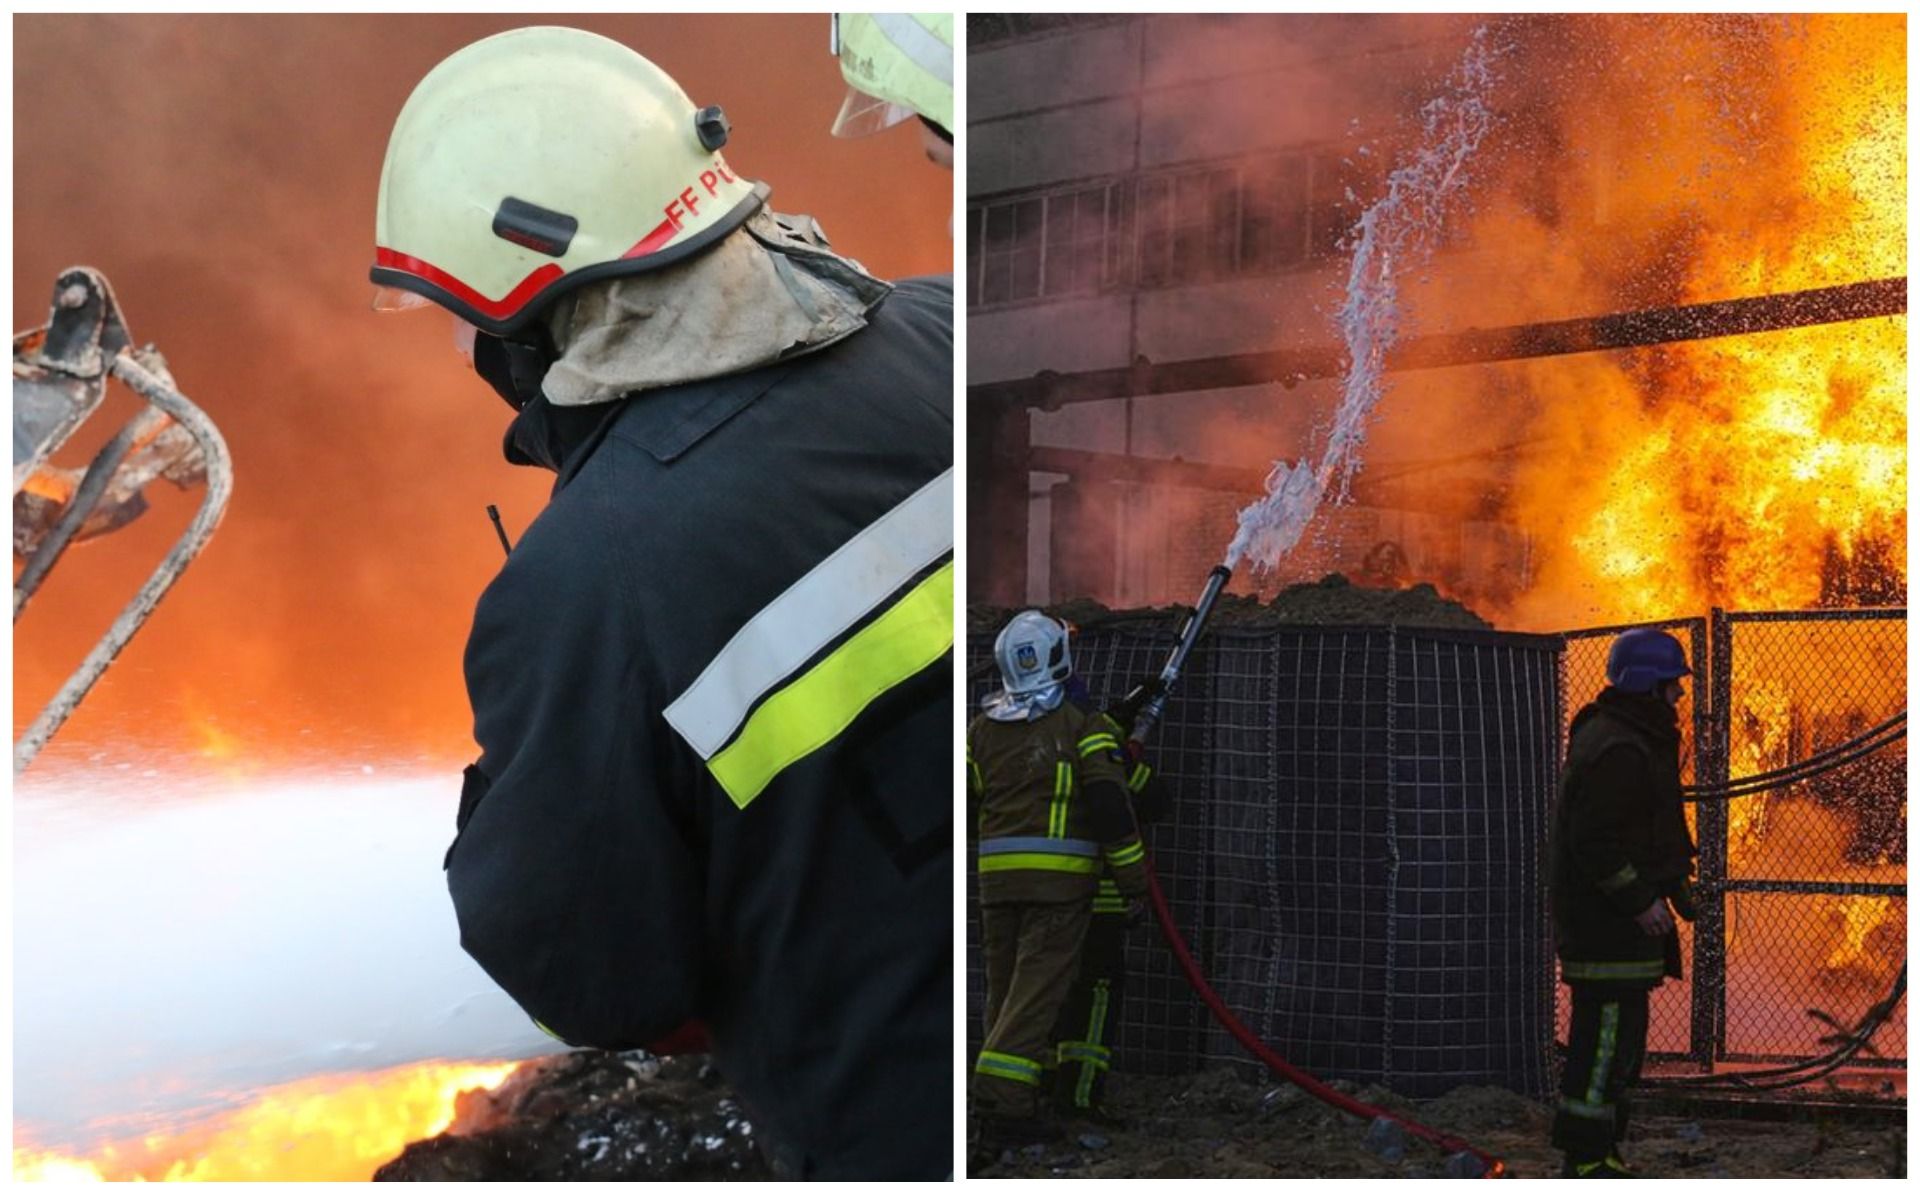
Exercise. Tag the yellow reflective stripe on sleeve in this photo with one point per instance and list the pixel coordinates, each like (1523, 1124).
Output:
(1128, 854)
(1619, 879)
(814, 709)
(1093, 743)
(1071, 864)
(974, 777)
(1141, 773)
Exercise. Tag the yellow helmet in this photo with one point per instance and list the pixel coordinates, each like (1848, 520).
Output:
(895, 65)
(540, 159)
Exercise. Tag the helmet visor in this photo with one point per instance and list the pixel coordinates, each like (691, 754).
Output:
(387, 298)
(862, 114)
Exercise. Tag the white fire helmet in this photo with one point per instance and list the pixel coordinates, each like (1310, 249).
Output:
(1032, 653)
(540, 159)
(896, 65)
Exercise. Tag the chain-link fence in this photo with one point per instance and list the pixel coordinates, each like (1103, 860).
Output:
(1354, 852)
(1811, 910)
(1802, 888)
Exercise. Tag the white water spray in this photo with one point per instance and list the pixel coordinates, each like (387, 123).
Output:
(1396, 234)
(175, 957)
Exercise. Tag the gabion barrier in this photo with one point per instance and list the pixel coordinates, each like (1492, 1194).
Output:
(1355, 850)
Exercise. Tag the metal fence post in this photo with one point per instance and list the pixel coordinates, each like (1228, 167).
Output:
(1714, 731)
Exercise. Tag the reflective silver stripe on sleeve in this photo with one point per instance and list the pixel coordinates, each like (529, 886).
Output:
(1040, 845)
(915, 41)
(823, 604)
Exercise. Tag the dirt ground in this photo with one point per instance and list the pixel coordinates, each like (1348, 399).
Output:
(1226, 1123)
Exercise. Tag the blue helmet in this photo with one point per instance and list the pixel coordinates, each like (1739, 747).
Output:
(1642, 659)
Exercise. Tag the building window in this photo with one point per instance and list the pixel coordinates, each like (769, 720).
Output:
(1153, 232)
(1076, 239)
(1273, 214)
(1010, 255)
(1333, 209)
(1256, 216)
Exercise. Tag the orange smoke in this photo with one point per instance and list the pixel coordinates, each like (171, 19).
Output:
(332, 1129)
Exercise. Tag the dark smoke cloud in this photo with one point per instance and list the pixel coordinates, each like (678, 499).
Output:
(221, 170)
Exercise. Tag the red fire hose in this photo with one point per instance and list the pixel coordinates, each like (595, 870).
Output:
(1491, 1167)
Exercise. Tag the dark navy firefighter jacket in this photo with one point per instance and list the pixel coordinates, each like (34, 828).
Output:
(712, 693)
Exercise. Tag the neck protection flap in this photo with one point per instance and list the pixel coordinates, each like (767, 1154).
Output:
(771, 290)
(1010, 709)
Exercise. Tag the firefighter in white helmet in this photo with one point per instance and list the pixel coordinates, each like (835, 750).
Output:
(711, 686)
(1047, 775)
(897, 66)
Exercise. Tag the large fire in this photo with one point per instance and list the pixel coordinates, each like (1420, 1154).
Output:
(1760, 472)
(1678, 160)
(333, 1129)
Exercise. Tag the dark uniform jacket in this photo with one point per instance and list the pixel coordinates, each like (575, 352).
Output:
(1052, 807)
(1150, 800)
(712, 692)
(1620, 840)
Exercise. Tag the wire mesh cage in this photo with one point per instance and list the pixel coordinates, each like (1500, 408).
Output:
(1354, 852)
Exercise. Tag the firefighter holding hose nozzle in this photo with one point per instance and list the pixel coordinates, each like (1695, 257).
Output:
(1085, 1033)
(1048, 777)
(1621, 857)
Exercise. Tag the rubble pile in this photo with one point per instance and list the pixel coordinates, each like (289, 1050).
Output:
(1333, 600)
(593, 1116)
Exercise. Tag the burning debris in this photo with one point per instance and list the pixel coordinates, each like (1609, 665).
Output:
(592, 1116)
(60, 374)
(335, 1128)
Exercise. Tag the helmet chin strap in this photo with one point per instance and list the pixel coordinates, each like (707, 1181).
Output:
(514, 369)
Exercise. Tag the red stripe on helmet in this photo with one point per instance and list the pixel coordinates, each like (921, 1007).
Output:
(661, 235)
(523, 291)
(499, 309)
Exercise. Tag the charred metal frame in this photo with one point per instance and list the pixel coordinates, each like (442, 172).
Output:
(999, 428)
(85, 340)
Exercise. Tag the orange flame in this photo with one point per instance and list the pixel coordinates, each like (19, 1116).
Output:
(1861, 918)
(1750, 472)
(333, 1128)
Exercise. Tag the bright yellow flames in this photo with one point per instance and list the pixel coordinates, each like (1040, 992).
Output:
(1860, 918)
(1751, 472)
(332, 1129)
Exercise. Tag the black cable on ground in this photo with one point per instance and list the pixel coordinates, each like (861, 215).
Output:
(1807, 1070)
